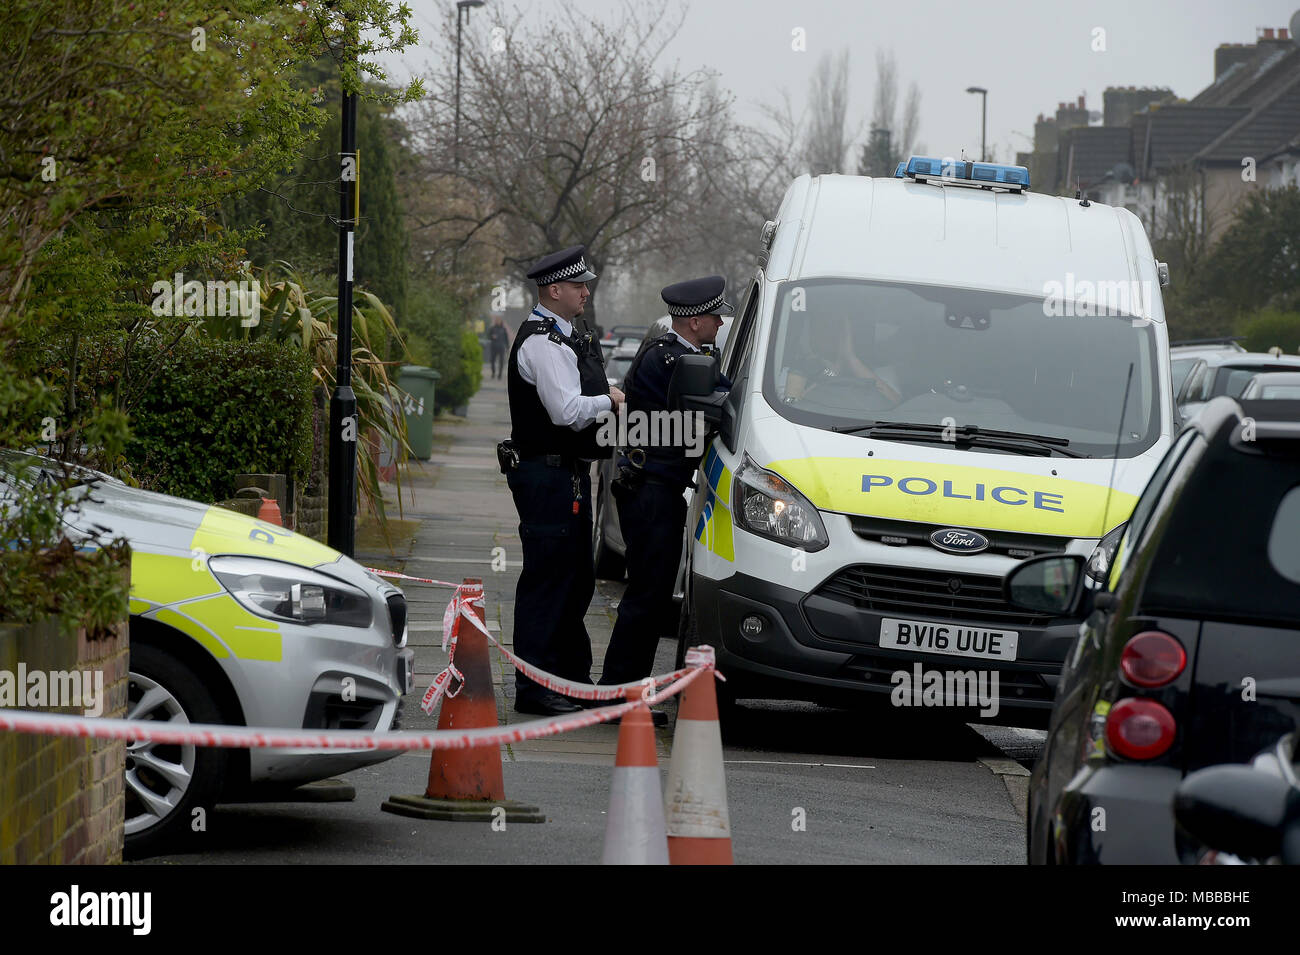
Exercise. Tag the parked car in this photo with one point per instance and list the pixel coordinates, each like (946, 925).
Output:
(240, 622)
(1187, 656)
(1273, 386)
(1245, 815)
(1226, 373)
(914, 413)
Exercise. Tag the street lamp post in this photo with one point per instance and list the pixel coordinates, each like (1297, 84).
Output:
(984, 108)
(343, 435)
(462, 16)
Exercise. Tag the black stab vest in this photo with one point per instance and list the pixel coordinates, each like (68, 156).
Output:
(531, 428)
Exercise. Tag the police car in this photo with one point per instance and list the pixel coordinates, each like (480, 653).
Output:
(936, 376)
(237, 621)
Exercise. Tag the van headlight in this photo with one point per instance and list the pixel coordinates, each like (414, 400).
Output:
(1098, 567)
(281, 591)
(768, 505)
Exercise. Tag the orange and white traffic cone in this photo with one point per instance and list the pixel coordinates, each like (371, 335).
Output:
(466, 784)
(695, 801)
(634, 828)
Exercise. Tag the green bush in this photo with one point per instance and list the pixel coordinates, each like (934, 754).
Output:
(221, 408)
(436, 335)
(1271, 327)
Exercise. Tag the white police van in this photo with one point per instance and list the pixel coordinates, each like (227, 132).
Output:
(936, 376)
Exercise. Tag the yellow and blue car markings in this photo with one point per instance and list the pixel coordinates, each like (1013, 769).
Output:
(958, 495)
(713, 529)
(180, 591)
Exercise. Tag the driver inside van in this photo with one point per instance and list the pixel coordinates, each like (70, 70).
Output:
(832, 353)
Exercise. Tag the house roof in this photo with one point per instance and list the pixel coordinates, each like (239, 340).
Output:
(1271, 123)
(1254, 80)
(1176, 133)
(1087, 154)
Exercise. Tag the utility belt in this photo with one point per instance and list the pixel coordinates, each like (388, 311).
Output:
(509, 457)
(633, 475)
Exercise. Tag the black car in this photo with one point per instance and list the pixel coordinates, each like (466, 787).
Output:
(1190, 657)
(1245, 814)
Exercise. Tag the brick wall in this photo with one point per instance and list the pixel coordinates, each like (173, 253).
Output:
(62, 799)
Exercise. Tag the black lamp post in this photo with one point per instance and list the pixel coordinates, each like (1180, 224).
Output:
(463, 8)
(984, 107)
(343, 435)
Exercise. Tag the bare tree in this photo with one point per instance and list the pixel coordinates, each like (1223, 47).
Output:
(826, 143)
(569, 133)
(893, 135)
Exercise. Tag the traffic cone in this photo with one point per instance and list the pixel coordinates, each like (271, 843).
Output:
(466, 784)
(695, 800)
(270, 512)
(634, 828)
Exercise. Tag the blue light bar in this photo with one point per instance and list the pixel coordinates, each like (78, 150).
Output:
(898, 173)
(963, 173)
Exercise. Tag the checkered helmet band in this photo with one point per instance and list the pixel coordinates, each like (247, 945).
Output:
(686, 311)
(559, 275)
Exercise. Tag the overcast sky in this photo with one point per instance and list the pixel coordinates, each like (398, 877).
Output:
(1029, 54)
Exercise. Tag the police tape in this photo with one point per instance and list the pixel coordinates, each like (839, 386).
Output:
(246, 737)
(419, 580)
(468, 596)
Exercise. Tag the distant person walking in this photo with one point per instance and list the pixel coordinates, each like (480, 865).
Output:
(498, 345)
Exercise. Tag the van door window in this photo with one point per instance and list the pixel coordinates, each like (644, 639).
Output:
(740, 353)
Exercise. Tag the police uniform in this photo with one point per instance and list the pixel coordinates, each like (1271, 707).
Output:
(557, 387)
(649, 492)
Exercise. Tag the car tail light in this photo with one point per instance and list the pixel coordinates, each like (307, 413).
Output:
(1152, 659)
(1139, 729)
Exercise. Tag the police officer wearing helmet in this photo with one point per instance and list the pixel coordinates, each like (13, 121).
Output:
(652, 479)
(557, 388)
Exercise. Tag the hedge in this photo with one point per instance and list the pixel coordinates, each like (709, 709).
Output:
(220, 408)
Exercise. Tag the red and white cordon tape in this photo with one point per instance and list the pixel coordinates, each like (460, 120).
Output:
(461, 604)
(418, 580)
(242, 737)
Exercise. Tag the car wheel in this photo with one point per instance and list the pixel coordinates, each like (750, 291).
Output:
(688, 635)
(166, 783)
(609, 565)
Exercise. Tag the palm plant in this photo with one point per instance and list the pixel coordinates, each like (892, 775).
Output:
(295, 312)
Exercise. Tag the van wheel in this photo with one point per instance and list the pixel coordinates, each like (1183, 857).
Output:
(688, 635)
(609, 565)
(166, 783)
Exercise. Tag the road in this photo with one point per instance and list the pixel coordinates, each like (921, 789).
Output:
(805, 784)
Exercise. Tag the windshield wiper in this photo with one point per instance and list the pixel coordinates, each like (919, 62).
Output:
(967, 435)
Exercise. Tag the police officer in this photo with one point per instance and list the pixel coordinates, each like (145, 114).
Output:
(652, 479)
(557, 388)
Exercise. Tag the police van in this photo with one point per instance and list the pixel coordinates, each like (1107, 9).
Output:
(937, 375)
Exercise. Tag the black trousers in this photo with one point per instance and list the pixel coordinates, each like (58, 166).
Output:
(651, 517)
(558, 579)
(498, 353)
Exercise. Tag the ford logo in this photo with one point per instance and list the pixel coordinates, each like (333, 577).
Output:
(955, 541)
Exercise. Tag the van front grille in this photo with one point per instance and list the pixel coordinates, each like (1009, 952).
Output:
(944, 595)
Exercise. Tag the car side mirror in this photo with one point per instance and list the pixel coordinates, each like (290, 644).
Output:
(1046, 584)
(1236, 809)
(692, 385)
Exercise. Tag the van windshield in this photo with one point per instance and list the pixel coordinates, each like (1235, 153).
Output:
(849, 354)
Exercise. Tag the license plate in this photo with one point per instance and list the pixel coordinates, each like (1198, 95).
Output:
(958, 640)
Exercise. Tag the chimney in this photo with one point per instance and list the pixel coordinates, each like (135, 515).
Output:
(1228, 55)
(1081, 106)
(1282, 33)
(1268, 33)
